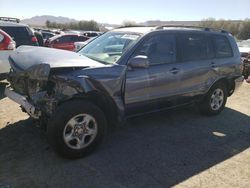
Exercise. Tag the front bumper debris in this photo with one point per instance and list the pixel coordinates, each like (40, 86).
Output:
(22, 100)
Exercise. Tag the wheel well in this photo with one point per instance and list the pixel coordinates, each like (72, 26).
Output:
(229, 83)
(106, 105)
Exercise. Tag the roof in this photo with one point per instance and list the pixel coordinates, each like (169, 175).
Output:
(65, 34)
(12, 24)
(145, 30)
(142, 30)
(190, 27)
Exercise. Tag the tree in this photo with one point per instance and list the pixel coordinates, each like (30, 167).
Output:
(128, 23)
(81, 25)
(240, 29)
(48, 23)
(244, 30)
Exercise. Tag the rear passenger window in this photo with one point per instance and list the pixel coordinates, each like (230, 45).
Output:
(196, 47)
(222, 46)
(64, 39)
(74, 38)
(159, 49)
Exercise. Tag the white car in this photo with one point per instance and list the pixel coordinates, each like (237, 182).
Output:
(7, 45)
(244, 48)
(79, 45)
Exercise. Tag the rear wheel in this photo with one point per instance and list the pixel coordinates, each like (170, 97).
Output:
(215, 100)
(76, 129)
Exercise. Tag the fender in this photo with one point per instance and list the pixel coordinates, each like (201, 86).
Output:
(106, 91)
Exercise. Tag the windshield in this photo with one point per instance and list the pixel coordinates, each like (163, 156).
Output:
(109, 47)
(244, 43)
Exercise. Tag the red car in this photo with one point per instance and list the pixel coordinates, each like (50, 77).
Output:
(65, 42)
(7, 45)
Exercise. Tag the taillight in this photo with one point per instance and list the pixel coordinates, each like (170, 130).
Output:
(12, 45)
(33, 39)
(7, 43)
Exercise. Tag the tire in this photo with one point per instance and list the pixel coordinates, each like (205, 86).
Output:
(215, 100)
(76, 129)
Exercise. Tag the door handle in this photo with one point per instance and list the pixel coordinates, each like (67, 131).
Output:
(174, 70)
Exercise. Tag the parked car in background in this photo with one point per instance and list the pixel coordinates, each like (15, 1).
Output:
(65, 41)
(7, 45)
(246, 69)
(244, 47)
(47, 35)
(91, 34)
(70, 31)
(123, 73)
(39, 37)
(20, 33)
(79, 45)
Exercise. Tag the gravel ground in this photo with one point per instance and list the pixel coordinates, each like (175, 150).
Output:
(179, 148)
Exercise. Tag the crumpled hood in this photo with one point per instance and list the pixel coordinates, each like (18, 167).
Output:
(25, 57)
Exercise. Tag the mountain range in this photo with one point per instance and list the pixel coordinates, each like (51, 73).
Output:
(41, 20)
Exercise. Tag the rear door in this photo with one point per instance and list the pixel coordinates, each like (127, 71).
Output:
(195, 69)
(224, 62)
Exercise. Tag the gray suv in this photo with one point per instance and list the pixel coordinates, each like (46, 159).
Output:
(125, 72)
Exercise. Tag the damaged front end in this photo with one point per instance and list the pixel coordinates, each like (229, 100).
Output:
(38, 90)
(29, 88)
(41, 79)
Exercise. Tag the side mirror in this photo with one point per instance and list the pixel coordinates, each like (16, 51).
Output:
(139, 61)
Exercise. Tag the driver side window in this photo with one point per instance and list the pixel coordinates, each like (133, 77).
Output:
(159, 49)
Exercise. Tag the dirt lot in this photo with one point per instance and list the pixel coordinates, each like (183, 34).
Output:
(179, 148)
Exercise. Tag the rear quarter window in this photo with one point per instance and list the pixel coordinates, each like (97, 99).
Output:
(222, 47)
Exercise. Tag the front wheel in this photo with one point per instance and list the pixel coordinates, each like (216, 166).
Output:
(76, 129)
(215, 100)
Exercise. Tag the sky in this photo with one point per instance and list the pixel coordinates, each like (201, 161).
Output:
(115, 11)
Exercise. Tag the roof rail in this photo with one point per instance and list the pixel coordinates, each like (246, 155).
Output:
(9, 19)
(191, 26)
(136, 25)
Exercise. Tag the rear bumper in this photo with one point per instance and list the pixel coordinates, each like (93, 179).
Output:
(22, 100)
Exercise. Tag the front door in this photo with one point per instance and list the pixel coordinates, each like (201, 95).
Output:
(148, 89)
